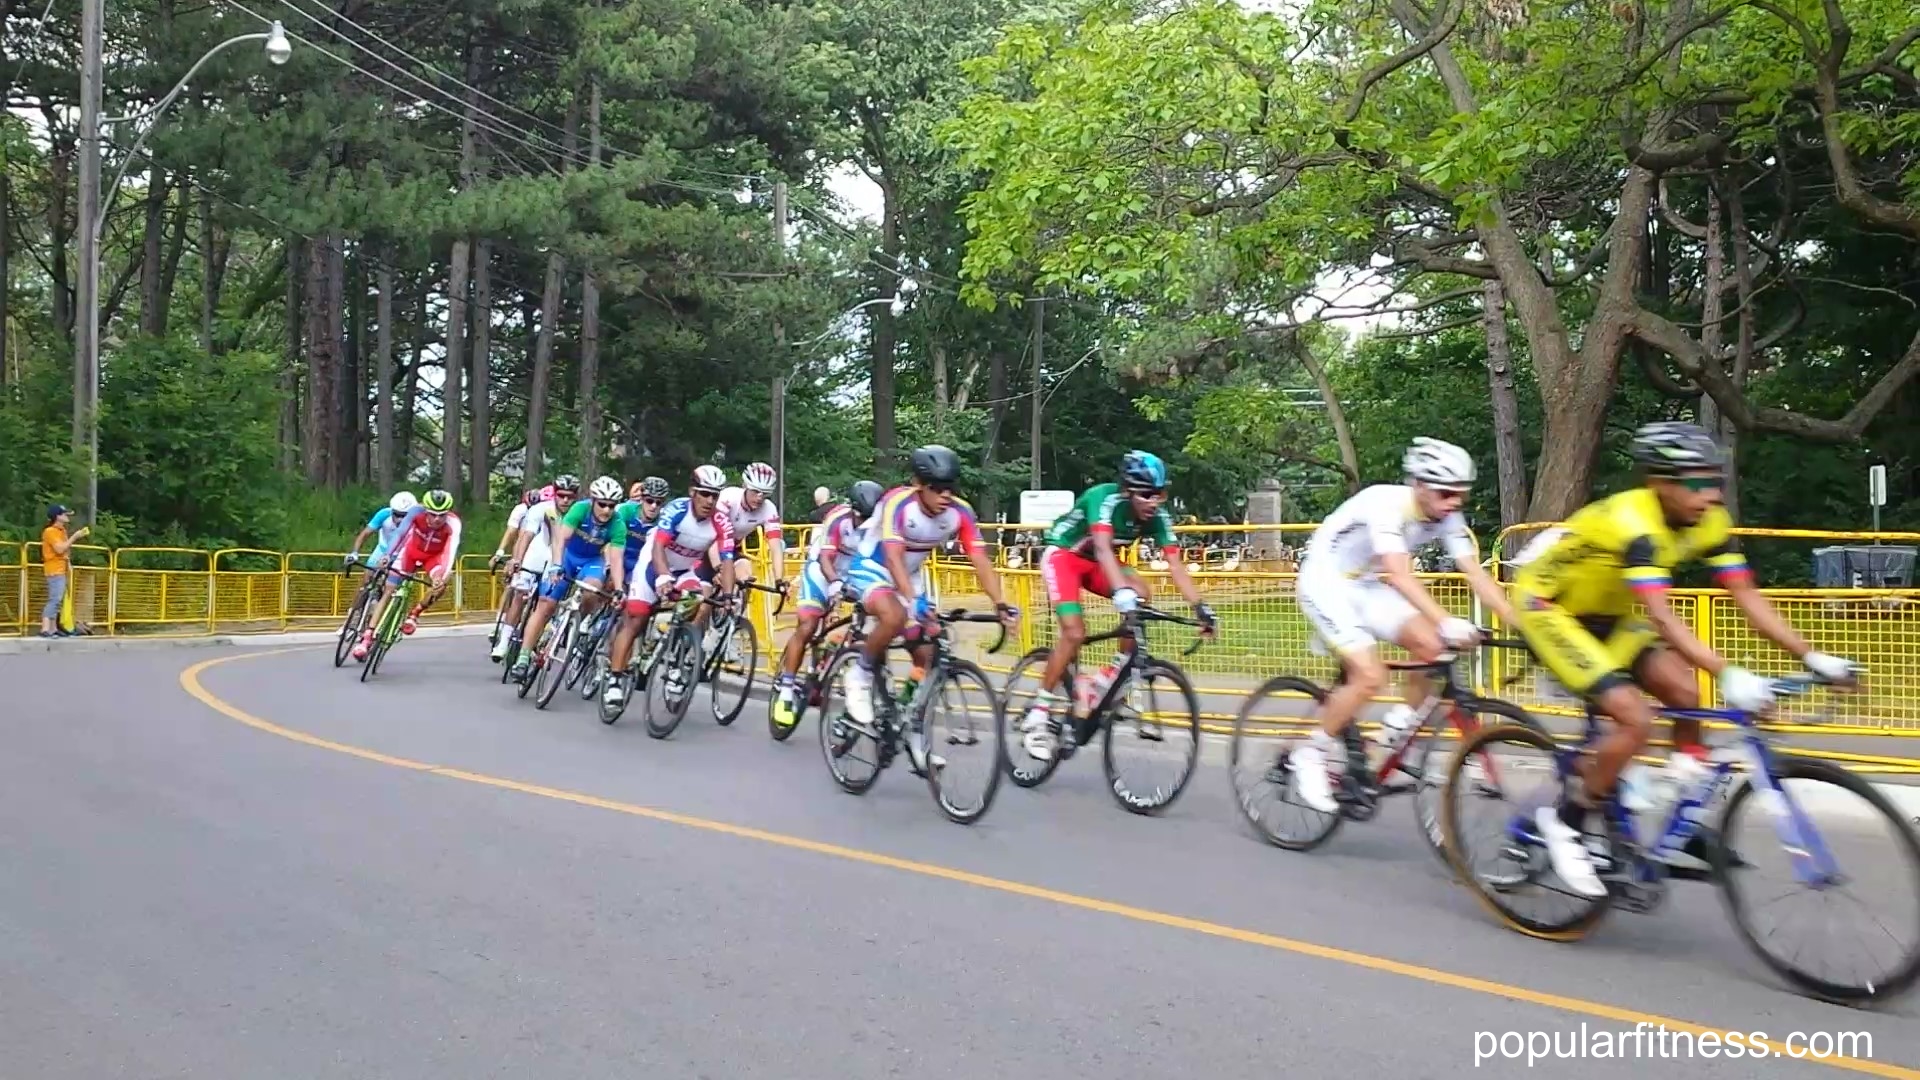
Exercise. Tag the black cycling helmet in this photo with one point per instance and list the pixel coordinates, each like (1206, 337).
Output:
(1670, 447)
(655, 487)
(864, 497)
(936, 464)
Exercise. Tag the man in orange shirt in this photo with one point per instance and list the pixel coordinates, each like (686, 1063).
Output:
(54, 545)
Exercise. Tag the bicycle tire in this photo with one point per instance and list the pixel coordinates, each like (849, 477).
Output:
(1796, 768)
(1236, 747)
(559, 652)
(588, 680)
(815, 656)
(718, 660)
(1569, 929)
(351, 629)
(1035, 772)
(837, 737)
(1432, 773)
(955, 671)
(681, 650)
(1114, 783)
(376, 648)
(579, 650)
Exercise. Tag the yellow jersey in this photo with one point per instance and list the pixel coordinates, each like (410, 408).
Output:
(1621, 545)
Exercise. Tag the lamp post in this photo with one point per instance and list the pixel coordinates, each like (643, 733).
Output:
(93, 215)
(785, 380)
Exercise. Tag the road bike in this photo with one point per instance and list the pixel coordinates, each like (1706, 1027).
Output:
(1745, 772)
(386, 626)
(1131, 703)
(731, 646)
(673, 667)
(1358, 785)
(358, 612)
(898, 724)
(829, 637)
(554, 653)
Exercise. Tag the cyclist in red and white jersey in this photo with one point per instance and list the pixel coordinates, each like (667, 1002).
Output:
(428, 540)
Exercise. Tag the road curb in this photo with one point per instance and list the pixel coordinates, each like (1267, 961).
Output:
(19, 646)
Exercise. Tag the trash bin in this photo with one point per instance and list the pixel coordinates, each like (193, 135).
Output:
(1861, 566)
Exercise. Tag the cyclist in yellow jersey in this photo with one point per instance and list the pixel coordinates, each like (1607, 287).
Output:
(1576, 603)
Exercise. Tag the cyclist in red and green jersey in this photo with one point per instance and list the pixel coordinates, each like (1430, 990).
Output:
(1080, 555)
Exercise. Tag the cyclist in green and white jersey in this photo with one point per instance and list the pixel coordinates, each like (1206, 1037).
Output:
(1080, 554)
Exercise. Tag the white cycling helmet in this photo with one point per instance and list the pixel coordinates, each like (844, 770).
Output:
(403, 502)
(604, 489)
(709, 476)
(758, 477)
(1441, 464)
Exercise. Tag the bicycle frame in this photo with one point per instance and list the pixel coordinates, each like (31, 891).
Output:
(1134, 628)
(1813, 862)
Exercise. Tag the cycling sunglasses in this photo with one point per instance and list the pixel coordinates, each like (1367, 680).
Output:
(605, 504)
(706, 493)
(1697, 484)
(1147, 492)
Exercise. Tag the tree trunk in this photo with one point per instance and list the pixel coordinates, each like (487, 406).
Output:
(589, 403)
(354, 383)
(1509, 453)
(383, 448)
(1337, 416)
(996, 416)
(410, 398)
(940, 399)
(153, 311)
(480, 386)
(290, 439)
(1743, 271)
(209, 274)
(542, 378)
(59, 235)
(459, 263)
(322, 444)
(7, 375)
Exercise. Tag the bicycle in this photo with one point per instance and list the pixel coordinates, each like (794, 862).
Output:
(517, 630)
(1636, 878)
(386, 628)
(1358, 786)
(592, 649)
(735, 646)
(543, 675)
(356, 623)
(678, 648)
(840, 734)
(818, 652)
(1122, 700)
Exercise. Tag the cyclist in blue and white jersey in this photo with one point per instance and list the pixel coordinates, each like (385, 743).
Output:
(385, 523)
(675, 561)
(820, 584)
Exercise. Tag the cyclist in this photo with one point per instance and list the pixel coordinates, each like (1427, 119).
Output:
(820, 585)
(1356, 586)
(750, 506)
(1576, 602)
(910, 523)
(578, 552)
(675, 561)
(385, 523)
(531, 531)
(1080, 554)
(429, 540)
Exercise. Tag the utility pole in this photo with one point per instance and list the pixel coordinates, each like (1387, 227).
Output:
(1038, 348)
(782, 362)
(86, 352)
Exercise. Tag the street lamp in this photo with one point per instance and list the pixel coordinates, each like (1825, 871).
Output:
(93, 212)
(898, 301)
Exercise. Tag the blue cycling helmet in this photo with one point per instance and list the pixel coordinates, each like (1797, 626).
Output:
(1140, 469)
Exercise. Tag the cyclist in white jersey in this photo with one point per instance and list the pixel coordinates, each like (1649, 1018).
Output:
(533, 552)
(832, 545)
(750, 506)
(909, 524)
(673, 562)
(1356, 586)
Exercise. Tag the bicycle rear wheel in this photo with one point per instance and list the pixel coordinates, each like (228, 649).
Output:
(356, 623)
(1259, 747)
(1899, 881)
(734, 661)
(1016, 699)
(1163, 712)
(963, 706)
(671, 685)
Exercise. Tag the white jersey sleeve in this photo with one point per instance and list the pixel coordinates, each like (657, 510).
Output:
(519, 515)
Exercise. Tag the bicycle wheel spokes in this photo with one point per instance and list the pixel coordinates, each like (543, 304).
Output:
(1153, 739)
(1016, 701)
(732, 670)
(670, 689)
(1493, 841)
(1428, 755)
(1271, 722)
(964, 731)
(1850, 936)
(851, 749)
(559, 658)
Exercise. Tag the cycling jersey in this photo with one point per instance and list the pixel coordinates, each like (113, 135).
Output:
(733, 503)
(424, 545)
(638, 528)
(686, 538)
(1620, 545)
(1107, 508)
(386, 527)
(1380, 520)
(591, 537)
(900, 520)
(832, 542)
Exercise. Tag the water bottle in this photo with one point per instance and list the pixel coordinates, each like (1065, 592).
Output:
(1091, 689)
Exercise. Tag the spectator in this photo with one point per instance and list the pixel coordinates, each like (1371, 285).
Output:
(822, 502)
(54, 545)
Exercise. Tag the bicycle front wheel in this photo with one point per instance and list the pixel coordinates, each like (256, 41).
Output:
(733, 664)
(558, 659)
(965, 742)
(1158, 720)
(1888, 944)
(351, 629)
(671, 685)
(852, 749)
(1426, 762)
(1262, 774)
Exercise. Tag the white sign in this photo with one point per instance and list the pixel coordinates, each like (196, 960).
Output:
(1877, 485)
(1041, 507)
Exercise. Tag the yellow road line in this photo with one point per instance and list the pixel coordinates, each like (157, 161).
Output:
(190, 682)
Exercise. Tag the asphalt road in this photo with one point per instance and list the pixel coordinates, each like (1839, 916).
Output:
(512, 893)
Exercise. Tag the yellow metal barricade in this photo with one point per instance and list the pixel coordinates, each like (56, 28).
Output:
(249, 590)
(14, 616)
(474, 596)
(89, 584)
(317, 589)
(161, 590)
